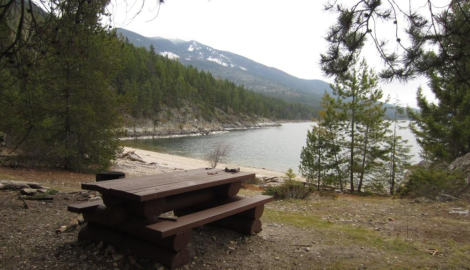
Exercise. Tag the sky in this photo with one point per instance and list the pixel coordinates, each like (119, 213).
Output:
(287, 35)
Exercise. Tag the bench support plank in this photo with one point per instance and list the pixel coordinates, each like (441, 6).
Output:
(167, 228)
(87, 207)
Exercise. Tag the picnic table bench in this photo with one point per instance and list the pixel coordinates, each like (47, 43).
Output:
(128, 215)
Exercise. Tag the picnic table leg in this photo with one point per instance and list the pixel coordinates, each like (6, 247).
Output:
(107, 217)
(168, 258)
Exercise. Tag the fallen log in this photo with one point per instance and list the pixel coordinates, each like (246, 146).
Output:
(38, 198)
(132, 156)
(9, 184)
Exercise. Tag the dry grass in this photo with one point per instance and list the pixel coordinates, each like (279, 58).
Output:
(377, 232)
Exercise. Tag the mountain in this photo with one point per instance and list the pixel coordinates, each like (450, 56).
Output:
(234, 67)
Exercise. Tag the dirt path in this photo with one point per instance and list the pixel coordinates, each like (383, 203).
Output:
(334, 232)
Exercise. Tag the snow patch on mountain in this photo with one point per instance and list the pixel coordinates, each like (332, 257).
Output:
(243, 68)
(216, 60)
(170, 55)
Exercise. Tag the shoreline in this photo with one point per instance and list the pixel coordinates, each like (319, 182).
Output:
(155, 162)
(196, 133)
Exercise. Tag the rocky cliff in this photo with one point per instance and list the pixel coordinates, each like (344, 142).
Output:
(185, 122)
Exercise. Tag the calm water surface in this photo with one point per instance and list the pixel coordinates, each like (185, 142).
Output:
(276, 148)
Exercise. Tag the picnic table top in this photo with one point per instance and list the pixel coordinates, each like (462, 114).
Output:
(151, 187)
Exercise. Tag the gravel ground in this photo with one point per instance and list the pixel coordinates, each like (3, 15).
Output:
(332, 232)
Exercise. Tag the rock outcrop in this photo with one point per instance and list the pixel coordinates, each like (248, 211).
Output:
(462, 164)
(185, 122)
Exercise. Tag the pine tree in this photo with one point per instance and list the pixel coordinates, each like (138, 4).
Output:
(399, 152)
(356, 118)
(314, 162)
(73, 115)
(331, 120)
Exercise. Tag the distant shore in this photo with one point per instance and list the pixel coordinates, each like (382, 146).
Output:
(155, 162)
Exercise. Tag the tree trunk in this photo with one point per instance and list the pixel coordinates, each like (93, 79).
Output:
(351, 160)
(359, 187)
(67, 117)
(393, 169)
(319, 171)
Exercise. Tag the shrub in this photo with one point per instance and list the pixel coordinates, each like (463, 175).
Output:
(290, 189)
(253, 181)
(214, 155)
(432, 183)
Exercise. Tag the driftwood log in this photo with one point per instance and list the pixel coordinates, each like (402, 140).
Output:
(8, 184)
(132, 156)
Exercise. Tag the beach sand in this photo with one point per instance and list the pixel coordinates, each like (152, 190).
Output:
(155, 162)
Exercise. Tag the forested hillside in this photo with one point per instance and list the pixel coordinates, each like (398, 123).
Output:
(236, 68)
(151, 82)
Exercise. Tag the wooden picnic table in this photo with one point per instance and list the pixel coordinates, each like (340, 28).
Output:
(129, 214)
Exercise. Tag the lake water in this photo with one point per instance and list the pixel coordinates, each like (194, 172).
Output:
(275, 148)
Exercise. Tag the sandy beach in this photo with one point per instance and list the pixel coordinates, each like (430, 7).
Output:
(155, 162)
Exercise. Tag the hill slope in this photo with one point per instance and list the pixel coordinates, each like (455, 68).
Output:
(236, 68)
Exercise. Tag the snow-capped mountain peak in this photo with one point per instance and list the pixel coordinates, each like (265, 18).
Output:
(236, 68)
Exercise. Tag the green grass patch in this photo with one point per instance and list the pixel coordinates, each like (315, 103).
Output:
(461, 257)
(345, 234)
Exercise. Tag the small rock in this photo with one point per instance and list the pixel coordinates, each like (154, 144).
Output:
(157, 265)
(161, 268)
(109, 250)
(307, 249)
(391, 219)
(82, 221)
(377, 229)
(28, 191)
(117, 256)
(100, 245)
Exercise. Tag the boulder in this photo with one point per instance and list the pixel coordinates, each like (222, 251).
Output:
(462, 164)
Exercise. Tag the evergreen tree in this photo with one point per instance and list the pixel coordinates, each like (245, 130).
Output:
(66, 112)
(355, 118)
(443, 128)
(399, 152)
(314, 156)
(438, 49)
(331, 120)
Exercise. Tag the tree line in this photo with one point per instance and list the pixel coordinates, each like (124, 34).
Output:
(153, 82)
